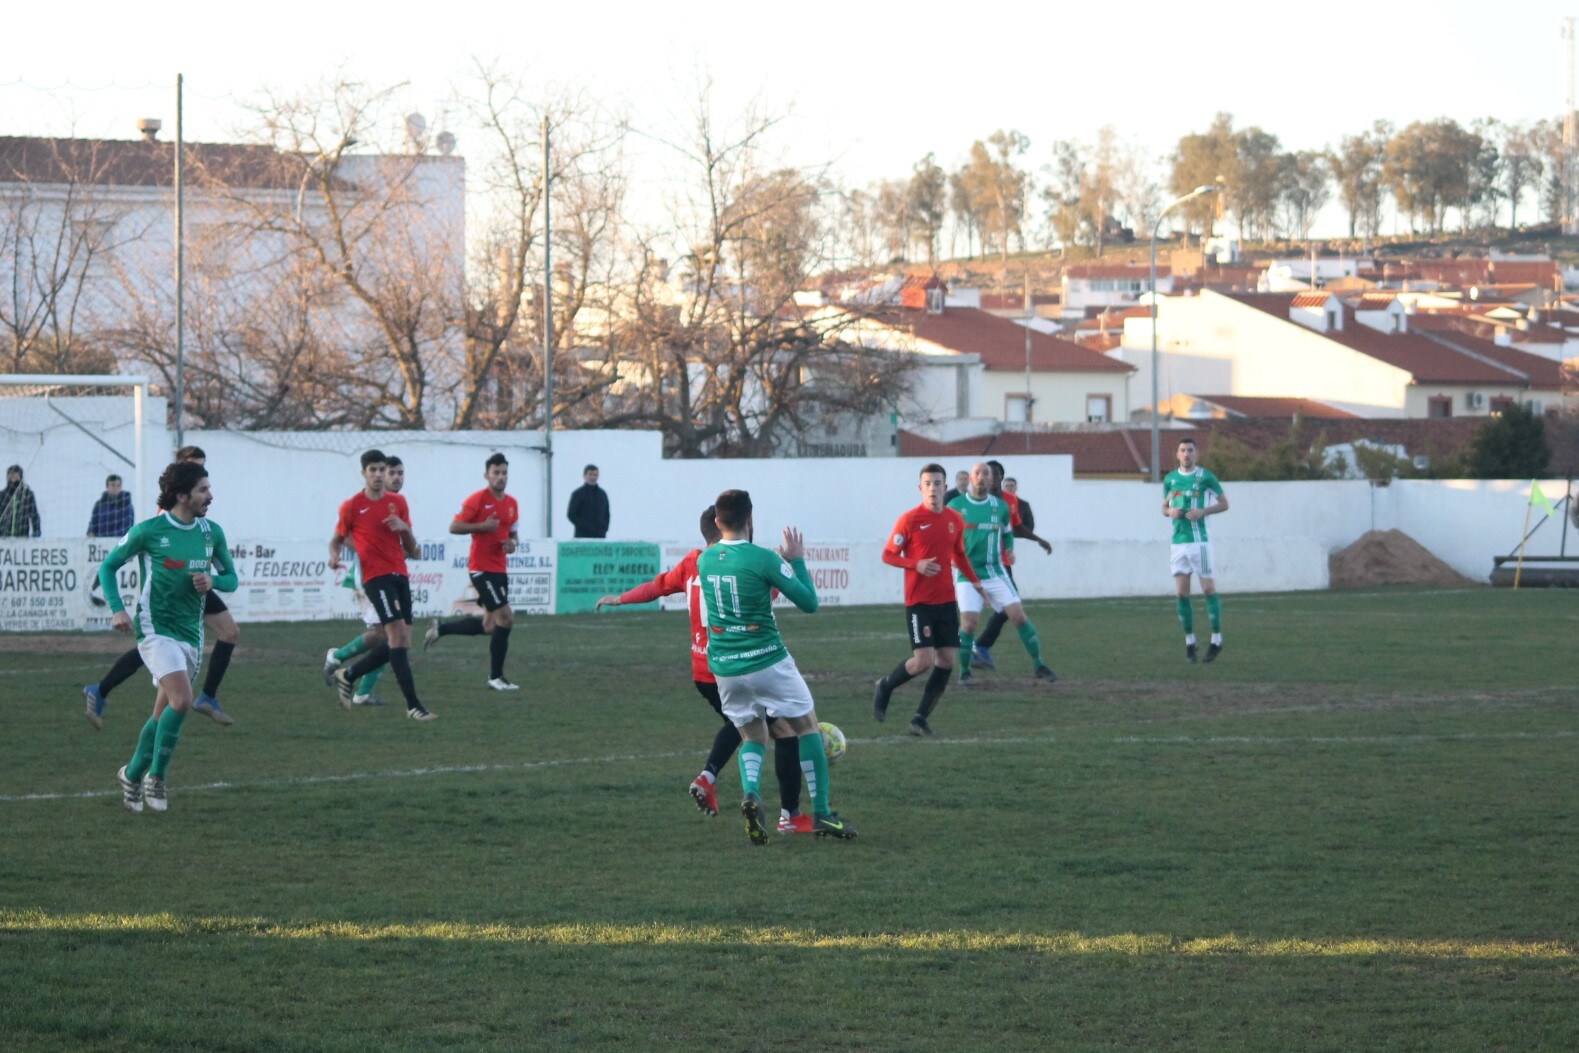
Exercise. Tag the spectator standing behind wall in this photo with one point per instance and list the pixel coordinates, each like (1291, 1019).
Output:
(18, 509)
(589, 506)
(112, 514)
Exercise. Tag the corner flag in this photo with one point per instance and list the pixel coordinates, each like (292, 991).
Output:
(1539, 498)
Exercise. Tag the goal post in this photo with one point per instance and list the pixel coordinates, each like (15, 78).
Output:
(66, 431)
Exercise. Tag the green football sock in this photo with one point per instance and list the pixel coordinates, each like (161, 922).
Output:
(814, 765)
(365, 685)
(170, 722)
(350, 650)
(138, 766)
(750, 759)
(1186, 614)
(1214, 611)
(1033, 643)
(967, 647)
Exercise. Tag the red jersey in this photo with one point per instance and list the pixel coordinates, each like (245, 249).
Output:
(378, 548)
(1013, 501)
(924, 534)
(682, 577)
(487, 553)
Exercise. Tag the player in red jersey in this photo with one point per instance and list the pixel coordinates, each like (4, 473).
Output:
(378, 524)
(926, 541)
(683, 577)
(489, 516)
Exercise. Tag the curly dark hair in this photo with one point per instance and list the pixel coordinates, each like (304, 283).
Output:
(179, 478)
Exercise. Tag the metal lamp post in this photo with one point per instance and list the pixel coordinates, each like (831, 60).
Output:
(1156, 409)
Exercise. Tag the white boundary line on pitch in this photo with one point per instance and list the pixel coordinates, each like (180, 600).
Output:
(1123, 740)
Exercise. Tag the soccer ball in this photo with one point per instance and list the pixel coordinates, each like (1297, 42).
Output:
(832, 741)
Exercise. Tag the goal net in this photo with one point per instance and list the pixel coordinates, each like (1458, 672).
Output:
(68, 435)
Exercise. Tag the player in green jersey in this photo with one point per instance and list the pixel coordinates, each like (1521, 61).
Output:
(373, 635)
(989, 539)
(756, 675)
(1190, 493)
(217, 620)
(181, 558)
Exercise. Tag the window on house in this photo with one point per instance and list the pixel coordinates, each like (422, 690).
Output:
(1500, 403)
(1099, 409)
(1439, 406)
(1017, 409)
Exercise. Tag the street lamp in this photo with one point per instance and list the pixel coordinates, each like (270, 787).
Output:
(1156, 409)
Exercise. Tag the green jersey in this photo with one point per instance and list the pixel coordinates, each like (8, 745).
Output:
(987, 533)
(737, 580)
(1190, 490)
(168, 553)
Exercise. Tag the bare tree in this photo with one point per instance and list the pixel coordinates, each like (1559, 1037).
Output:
(369, 224)
(504, 366)
(719, 356)
(59, 233)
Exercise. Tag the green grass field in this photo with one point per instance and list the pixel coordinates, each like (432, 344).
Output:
(1356, 831)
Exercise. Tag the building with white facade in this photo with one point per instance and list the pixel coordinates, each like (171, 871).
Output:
(271, 240)
(972, 365)
(1365, 357)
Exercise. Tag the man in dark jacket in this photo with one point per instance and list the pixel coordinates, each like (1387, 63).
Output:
(589, 506)
(18, 510)
(112, 514)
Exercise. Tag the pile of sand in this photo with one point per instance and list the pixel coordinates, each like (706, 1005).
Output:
(1389, 557)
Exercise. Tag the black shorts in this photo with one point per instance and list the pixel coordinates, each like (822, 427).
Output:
(212, 604)
(933, 624)
(493, 589)
(390, 595)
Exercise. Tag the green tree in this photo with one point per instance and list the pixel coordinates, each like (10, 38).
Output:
(994, 186)
(1304, 188)
(1254, 179)
(1203, 158)
(1522, 165)
(928, 203)
(1511, 445)
(1431, 166)
(1295, 456)
(1357, 171)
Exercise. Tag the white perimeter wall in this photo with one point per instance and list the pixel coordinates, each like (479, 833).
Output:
(1110, 537)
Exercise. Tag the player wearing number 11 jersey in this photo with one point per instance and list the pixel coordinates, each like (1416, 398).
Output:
(756, 675)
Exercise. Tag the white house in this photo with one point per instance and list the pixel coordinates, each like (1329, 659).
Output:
(974, 365)
(90, 230)
(1089, 288)
(1365, 358)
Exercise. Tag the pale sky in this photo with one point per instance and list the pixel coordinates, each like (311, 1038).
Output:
(872, 87)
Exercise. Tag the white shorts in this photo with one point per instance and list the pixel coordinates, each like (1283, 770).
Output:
(1000, 593)
(1194, 557)
(779, 689)
(164, 656)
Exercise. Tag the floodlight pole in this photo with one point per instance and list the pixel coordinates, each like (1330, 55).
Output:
(1156, 408)
(180, 278)
(548, 346)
